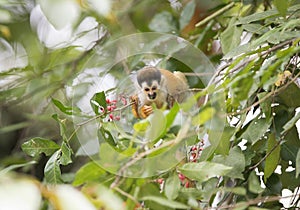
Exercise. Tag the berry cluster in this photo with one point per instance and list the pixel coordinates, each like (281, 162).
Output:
(185, 181)
(111, 106)
(195, 151)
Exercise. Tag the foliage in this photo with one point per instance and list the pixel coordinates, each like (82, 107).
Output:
(65, 105)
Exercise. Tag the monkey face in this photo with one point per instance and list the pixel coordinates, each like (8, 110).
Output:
(151, 91)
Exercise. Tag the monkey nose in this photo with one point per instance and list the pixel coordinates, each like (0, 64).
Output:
(152, 96)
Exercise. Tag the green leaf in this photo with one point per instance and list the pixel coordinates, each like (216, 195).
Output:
(204, 170)
(157, 126)
(235, 160)
(291, 123)
(273, 157)
(172, 186)
(65, 109)
(256, 129)
(15, 166)
(98, 101)
(170, 117)
(66, 153)
(62, 126)
(187, 14)
(230, 38)
(254, 183)
(141, 126)
(257, 16)
(290, 97)
(165, 202)
(87, 173)
(36, 146)
(205, 115)
(281, 6)
(298, 164)
(52, 172)
(14, 127)
(107, 136)
(163, 22)
(224, 145)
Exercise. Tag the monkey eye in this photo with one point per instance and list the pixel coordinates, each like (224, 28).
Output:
(146, 89)
(154, 88)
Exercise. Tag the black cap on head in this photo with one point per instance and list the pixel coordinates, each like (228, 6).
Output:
(148, 74)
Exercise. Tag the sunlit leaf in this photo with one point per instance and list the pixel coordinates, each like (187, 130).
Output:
(52, 170)
(66, 153)
(36, 146)
(205, 115)
(272, 159)
(141, 126)
(204, 170)
(87, 173)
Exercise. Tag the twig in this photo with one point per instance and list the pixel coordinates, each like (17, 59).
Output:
(127, 195)
(254, 201)
(266, 96)
(215, 14)
(100, 115)
(192, 74)
(141, 155)
(267, 155)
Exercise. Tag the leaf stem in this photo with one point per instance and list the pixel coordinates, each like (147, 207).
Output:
(215, 14)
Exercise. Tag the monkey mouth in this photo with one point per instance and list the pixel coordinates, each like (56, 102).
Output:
(152, 96)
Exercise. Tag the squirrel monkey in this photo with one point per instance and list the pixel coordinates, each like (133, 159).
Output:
(160, 87)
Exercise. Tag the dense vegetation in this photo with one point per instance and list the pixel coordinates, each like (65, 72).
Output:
(68, 139)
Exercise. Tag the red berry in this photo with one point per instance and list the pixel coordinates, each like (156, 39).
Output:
(194, 148)
(187, 185)
(107, 101)
(117, 118)
(124, 101)
(160, 180)
(181, 176)
(113, 107)
(111, 116)
(114, 101)
(109, 108)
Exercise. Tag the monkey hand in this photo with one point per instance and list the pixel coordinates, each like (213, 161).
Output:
(145, 111)
(141, 112)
